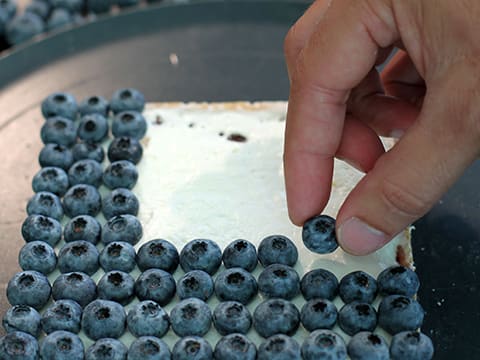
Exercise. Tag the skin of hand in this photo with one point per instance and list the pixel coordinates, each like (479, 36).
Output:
(428, 97)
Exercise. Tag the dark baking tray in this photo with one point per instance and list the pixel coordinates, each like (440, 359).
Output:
(226, 51)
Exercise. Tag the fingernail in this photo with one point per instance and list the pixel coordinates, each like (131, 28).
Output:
(359, 238)
(397, 134)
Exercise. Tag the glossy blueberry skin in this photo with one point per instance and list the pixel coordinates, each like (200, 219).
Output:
(127, 99)
(318, 234)
(324, 344)
(125, 148)
(355, 317)
(231, 317)
(236, 284)
(78, 256)
(107, 349)
(398, 280)
(318, 314)
(276, 316)
(22, 318)
(45, 203)
(62, 345)
(62, 315)
(192, 348)
(279, 347)
(411, 345)
(120, 174)
(82, 199)
(59, 18)
(74, 286)
(191, 316)
(116, 286)
(201, 254)
(85, 171)
(55, 155)
(157, 285)
(23, 27)
(119, 202)
(367, 346)
(125, 228)
(147, 318)
(279, 281)
(51, 179)
(19, 346)
(82, 227)
(358, 286)
(42, 228)
(319, 283)
(240, 253)
(9, 7)
(60, 104)
(88, 150)
(149, 348)
(159, 254)
(129, 123)
(117, 255)
(58, 130)
(94, 105)
(235, 347)
(38, 256)
(277, 249)
(29, 288)
(93, 128)
(397, 313)
(195, 283)
(103, 319)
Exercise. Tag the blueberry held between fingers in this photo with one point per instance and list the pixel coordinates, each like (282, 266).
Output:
(367, 346)
(120, 174)
(235, 347)
(60, 104)
(279, 281)
(195, 283)
(318, 234)
(116, 286)
(201, 254)
(277, 249)
(159, 254)
(51, 179)
(192, 348)
(74, 286)
(19, 346)
(29, 288)
(125, 228)
(80, 256)
(356, 317)
(276, 316)
(398, 280)
(125, 148)
(119, 202)
(232, 317)
(103, 319)
(279, 347)
(22, 318)
(240, 253)
(107, 349)
(324, 344)
(397, 313)
(129, 123)
(191, 316)
(236, 284)
(42, 228)
(62, 315)
(38, 256)
(62, 345)
(94, 105)
(411, 345)
(92, 128)
(85, 171)
(58, 130)
(318, 314)
(88, 150)
(117, 256)
(358, 286)
(45, 203)
(127, 99)
(82, 199)
(82, 227)
(55, 155)
(319, 283)
(149, 348)
(147, 318)
(157, 285)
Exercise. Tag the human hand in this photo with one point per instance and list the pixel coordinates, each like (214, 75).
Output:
(339, 105)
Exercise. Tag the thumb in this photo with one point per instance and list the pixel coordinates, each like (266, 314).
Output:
(410, 178)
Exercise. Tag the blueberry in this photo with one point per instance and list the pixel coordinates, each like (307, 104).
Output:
(60, 104)
(356, 317)
(235, 347)
(398, 280)
(107, 349)
(59, 18)
(149, 348)
(122, 228)
(279, 281)
(192, 348)
(74, 286)
(18, 346)
(279, 347)
(93, 127)
(318, 314)
(159, 254)
(82, 227)
(397, 313)
(276, 316)
(51, 179)
(45, 203)
(58, 130)
(147, 318)
(117, 255)
(119, 202)
(235, 284)
(103, 319)
(155, 284)
(129, 123)
(120, 174)
(88, 150)
(94, 105)
(23, 27)
(277, 249)
(195, 283)
(127, 99)
(62, 345)
(42, 228)
(9, 7)
(191, 316)
(358, 286)
(232, 317)
(318, 234)
(324, 344)
(79, 256)
(125, 148)
(240, 253)
(82, 199)
(22, 318)
(39, 7)
(116, 286)
(28, 288)
(367, 346)
(201, 254)
(73, 6)
(319, 283)
(85, 171)
(62, 315)
(411, 345)
(56, 155)
(38, 256)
